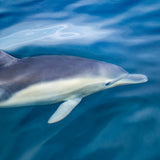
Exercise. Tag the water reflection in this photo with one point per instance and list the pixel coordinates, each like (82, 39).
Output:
(52, 35)
(71, 26)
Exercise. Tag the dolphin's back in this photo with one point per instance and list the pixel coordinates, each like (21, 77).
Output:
(45, 68)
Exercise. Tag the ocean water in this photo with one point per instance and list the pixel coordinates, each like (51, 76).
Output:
(121, 123)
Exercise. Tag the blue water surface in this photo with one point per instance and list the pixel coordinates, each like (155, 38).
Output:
(121, 123)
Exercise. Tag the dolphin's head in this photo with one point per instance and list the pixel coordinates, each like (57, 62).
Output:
(115, 75)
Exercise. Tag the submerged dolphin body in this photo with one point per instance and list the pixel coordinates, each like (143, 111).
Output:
(51, 79)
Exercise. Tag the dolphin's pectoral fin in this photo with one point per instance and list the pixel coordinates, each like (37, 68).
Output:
(64, 109)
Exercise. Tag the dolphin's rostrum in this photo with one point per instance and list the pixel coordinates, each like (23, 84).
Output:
(54, 78)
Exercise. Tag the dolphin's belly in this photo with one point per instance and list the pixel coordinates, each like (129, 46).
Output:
(52, 92)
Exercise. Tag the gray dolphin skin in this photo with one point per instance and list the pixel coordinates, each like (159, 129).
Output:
(50, 79)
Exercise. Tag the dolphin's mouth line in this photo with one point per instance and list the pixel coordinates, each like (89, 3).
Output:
(120, 78)
(113, 82)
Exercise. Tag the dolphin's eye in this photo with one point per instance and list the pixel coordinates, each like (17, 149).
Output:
(108, 83)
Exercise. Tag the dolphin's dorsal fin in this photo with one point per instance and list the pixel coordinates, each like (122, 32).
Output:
(6, 59)
(64, 109)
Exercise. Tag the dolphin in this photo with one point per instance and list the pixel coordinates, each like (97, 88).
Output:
(49, 79)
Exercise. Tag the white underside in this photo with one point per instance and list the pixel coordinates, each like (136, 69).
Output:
(54, 91)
